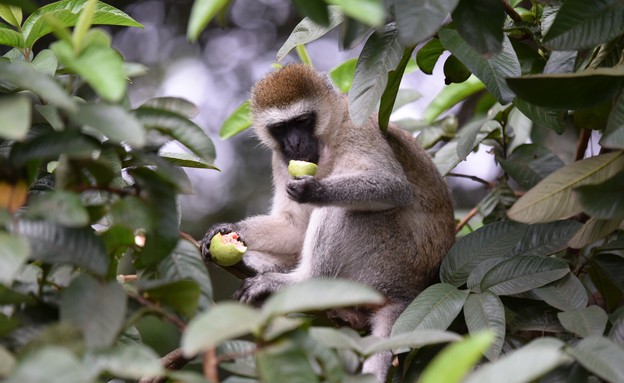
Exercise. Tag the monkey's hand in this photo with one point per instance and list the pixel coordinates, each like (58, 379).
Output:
(256, 290)
(223, 228)
(304, 189)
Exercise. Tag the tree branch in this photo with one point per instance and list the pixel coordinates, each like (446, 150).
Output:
(174, 360)
(509, 10)
(466, 219)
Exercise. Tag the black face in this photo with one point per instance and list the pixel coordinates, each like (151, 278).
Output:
(296, 138)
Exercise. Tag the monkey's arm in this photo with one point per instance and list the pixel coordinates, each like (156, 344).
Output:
(363, 191)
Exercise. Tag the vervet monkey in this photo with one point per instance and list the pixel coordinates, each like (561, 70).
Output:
(377, 211)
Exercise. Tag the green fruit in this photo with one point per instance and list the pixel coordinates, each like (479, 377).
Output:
(301, 168)
(226, 250)
(455, 71)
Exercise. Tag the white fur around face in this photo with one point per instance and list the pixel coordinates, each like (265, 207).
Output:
(264, 118)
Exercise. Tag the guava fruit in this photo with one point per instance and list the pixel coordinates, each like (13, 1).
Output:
(301, 168)
(226, 249)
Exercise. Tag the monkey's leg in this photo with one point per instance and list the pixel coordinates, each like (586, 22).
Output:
(382, 322)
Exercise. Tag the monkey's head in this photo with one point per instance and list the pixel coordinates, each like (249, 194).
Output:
(291, 108)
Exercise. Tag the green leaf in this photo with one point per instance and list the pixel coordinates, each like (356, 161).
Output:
(181, 295)
(561, 62)
(485, 312)
(450, 96)
(176, 105)
(236, 122)
(585, 322)
(130, 361)
(11, 14)
(492, 71)
(285, 362)
(62, 207)
(546, 238)
(520, 274)
(493, 240)
(553, 199)
(525, 364)
(319, 294)
(463, 356)
(202, 12)
(600, 356)
(569, 90)
(389, 95)
(10, 38)
(98, 309)
(468, 134)
(428, 55)
(529, 164)
(46, 62)
(57, 244)
(15, 112)
(417, 20)
(479, 271)
(545, 117)
(24, 76)
(113, 121)
(612, 266)
(186, 160)
(133, 213)
(83, 24)
(370, 12)
(604, 200)
(566, 294)
(380, 55)
(185, 262)
(179, 128)
(316, 10)
(66, 12)
(613, 135)
(580, 24)
(14, 252)
(593, 230)
(50, 364)
(101, 67)
(414, 339)
(342, 75)
(222, 322)
(480, 23)
(307, 31)
(434, 308)
(51, 145)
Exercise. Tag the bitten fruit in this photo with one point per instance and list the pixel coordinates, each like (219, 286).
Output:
(301, 168)
(226, 249)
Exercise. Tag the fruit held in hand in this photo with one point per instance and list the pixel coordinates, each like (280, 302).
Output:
(301, 168)
(226, 249)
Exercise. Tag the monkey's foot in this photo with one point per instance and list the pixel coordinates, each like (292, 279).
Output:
(256, 290)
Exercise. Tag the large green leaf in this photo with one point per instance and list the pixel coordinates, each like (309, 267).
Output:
(181, 295)
(480, 23)
(222, 322)
(578, 90)
(463, 356)
(342, 75)
(186, 160)
(544, 117)
(593, 230)
(523, 365)
(434, 308)
(49, 364)
(417, 20)
(582, 24)
(414, 339)
(66, 12)
(613, 135)
(24, 76)
(389, 96)
(428, 55)
(314, 9)
(113, 121)
(307, 31)
(244, 365)
(600, 356)
(493, 71)
(57, 244)
(63, 207)
(238, 121)
(489, 241)
(520, 274)
(546, 238)
(585, 322)
(185, 262)
(568, 293)
(320, 294)
(530, 163)
(98, 309)
(604, 200)
(381, 54)
(370, 12)
(612, 265)
(99, 65)
(51, 145)
(14, 252)
(12, 15)
(177, 105)
(285, 362)
(485, 311)
(450, 96)
(202, 12)
(553, 199)
(15, 112)
(10, 38)
(179, 128)
(131, 361)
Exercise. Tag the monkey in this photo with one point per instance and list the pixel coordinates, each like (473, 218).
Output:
(377, 212)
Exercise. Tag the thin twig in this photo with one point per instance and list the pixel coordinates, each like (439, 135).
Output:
(211, 365)
(515, 16)
(466, 219)
(169, 317)
(581, 145)
(472, 178)
(174, 360)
